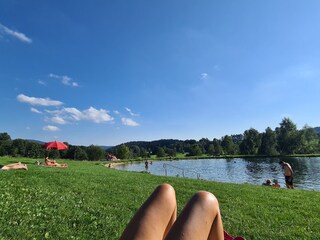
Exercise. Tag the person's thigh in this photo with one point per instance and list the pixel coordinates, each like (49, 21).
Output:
(155, 217)
(199, 220)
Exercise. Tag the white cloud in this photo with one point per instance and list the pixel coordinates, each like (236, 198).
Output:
(116, 112)
(38, 101)
(204, 76)
(64, 80)
(58, 120)
(42, 82)
(129, 122)
(18, 35)
(35, 110)
(72, 114)
(50, 128)
(97, 116)
(131, 113)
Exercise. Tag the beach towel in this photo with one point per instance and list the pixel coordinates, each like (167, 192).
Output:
(227, 236)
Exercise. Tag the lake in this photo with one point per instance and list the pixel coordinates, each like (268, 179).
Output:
(237, 170)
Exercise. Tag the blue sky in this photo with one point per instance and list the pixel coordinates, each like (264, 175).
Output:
(109, 72)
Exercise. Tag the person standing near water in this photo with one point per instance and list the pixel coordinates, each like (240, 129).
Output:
(288, 173)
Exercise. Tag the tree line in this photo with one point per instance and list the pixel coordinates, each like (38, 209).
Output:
(283, 140)
(33, 149)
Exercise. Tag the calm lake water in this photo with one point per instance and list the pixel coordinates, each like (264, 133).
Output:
(238, 170)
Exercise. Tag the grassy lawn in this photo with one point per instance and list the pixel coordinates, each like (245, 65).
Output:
(90, 201)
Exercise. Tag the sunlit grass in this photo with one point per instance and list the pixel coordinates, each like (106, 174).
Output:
(90, 201)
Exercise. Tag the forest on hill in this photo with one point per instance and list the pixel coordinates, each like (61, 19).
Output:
(283, 140)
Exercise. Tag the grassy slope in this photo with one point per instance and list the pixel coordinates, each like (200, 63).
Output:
(89, 201)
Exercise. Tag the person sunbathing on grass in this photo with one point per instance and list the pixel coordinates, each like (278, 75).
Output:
(52, 163)
(14, 166)
(275, 183)
(157, 218)
(267, 183)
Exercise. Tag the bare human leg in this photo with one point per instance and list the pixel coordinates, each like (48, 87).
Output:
(155, 217)
(199, 220)
(12, 166)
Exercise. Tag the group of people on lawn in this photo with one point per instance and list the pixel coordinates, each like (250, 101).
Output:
(288, 175)
(288, 172)
(21, 166)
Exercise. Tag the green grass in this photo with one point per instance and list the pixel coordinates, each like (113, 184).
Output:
(90, 201)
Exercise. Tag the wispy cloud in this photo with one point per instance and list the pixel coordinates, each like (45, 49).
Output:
(131, 113)
(216, 68)
(129, 122)
(35, 110)
(64, 80)
(204, 76)
(71, 114)
(42, 82)
(50, 128)
(18, 35)
(38, 101)
(58, 120)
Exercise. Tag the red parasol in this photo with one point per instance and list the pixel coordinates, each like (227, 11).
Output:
(55, 145)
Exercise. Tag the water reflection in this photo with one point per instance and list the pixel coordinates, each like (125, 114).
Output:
(239, 170)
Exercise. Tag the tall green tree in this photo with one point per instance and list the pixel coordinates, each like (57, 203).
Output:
(135, 151)
(251, 142)
(268, 143)
(309, 140)
(204, 144)
(19, 147)
(288, 137)
(80, 154)
(228, 145)
(34, 150)
(171, 152)
(5, 144)
(210, 150)
(237, 138)
(195, 150)
(217, 147)
(123, 152)
(4, 137)
(95, 153)
(160, 152)
(144, 153)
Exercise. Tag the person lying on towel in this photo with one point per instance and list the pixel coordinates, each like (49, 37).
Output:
(14, 166)
(52, 163)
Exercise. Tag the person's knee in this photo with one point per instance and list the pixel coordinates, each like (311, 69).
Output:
(206, 199)
(166, 190)
(165, 194)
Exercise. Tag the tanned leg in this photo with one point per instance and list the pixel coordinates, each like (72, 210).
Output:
(155, 217)
(199, 220)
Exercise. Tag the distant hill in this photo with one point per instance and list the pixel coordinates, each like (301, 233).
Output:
(150, 144)
(317, 129)
(106, 147)
(41, 142)
(35, 141)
